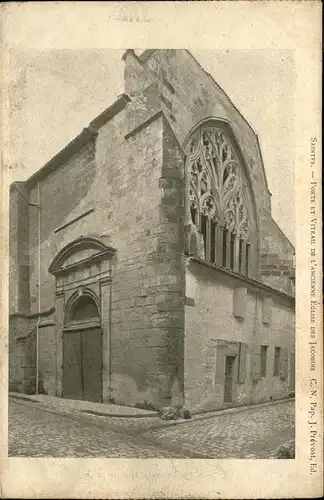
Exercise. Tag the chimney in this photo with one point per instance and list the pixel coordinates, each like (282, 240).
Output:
(137, 77)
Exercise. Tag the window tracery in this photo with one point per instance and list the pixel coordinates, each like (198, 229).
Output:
(218, 198)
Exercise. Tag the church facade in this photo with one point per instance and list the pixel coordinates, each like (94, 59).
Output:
(145, 266)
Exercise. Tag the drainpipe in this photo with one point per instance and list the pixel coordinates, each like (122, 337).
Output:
(186, 194)
(186, 252)
(39, 287)
(254, 336)
(38, 281)
(109, 338)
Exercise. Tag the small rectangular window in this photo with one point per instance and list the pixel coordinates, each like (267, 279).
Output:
(239, 302)
(256, 363)
(267, 310)
(276, 362)
(242, 363)
(264, 351)
(283, 363)
(224, 256)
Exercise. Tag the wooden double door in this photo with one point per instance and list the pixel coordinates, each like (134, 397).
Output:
(82, 364)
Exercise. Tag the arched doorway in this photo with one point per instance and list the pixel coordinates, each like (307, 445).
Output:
(82, 351)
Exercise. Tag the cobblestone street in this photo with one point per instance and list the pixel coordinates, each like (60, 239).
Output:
(39, 430)
(42, 432)
(248, 433)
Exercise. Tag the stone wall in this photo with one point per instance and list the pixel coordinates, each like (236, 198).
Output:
(140, 212)
(277, 259)
(146, 204)
(64, 195)
(19, 300)
(22, 354)
(47, 356)
(222, 312)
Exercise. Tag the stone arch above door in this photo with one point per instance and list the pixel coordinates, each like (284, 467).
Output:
(81, 263)
(82, 308)
(80, 252)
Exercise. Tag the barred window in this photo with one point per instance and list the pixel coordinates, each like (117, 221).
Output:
(218, 199)
(276, 362)
(264, 352)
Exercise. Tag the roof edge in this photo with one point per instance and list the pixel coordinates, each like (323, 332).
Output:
(87, 134)
(239, 112)
(283, 234)
(221, 88)
(147, 54)
(249, 281)
(117, 106)
(20, 187)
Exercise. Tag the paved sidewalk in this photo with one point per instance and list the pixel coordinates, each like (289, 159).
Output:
(109, 410)
(39, 431)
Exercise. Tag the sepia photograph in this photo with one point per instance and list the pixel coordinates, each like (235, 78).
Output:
(152, 306)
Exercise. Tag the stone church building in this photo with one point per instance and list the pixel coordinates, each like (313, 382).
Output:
(145, 266)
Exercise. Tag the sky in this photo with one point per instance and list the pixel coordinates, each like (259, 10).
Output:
(56, 93)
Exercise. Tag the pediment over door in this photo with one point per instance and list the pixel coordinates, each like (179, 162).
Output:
(78, 253)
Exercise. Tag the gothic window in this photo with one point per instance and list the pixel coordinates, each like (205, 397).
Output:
(218, 198)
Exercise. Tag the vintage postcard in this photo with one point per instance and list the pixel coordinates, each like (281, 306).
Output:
(161, 250)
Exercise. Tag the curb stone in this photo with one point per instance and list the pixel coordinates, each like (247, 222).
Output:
(164, 423)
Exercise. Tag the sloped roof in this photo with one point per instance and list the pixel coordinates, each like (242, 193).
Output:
(79, 141)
